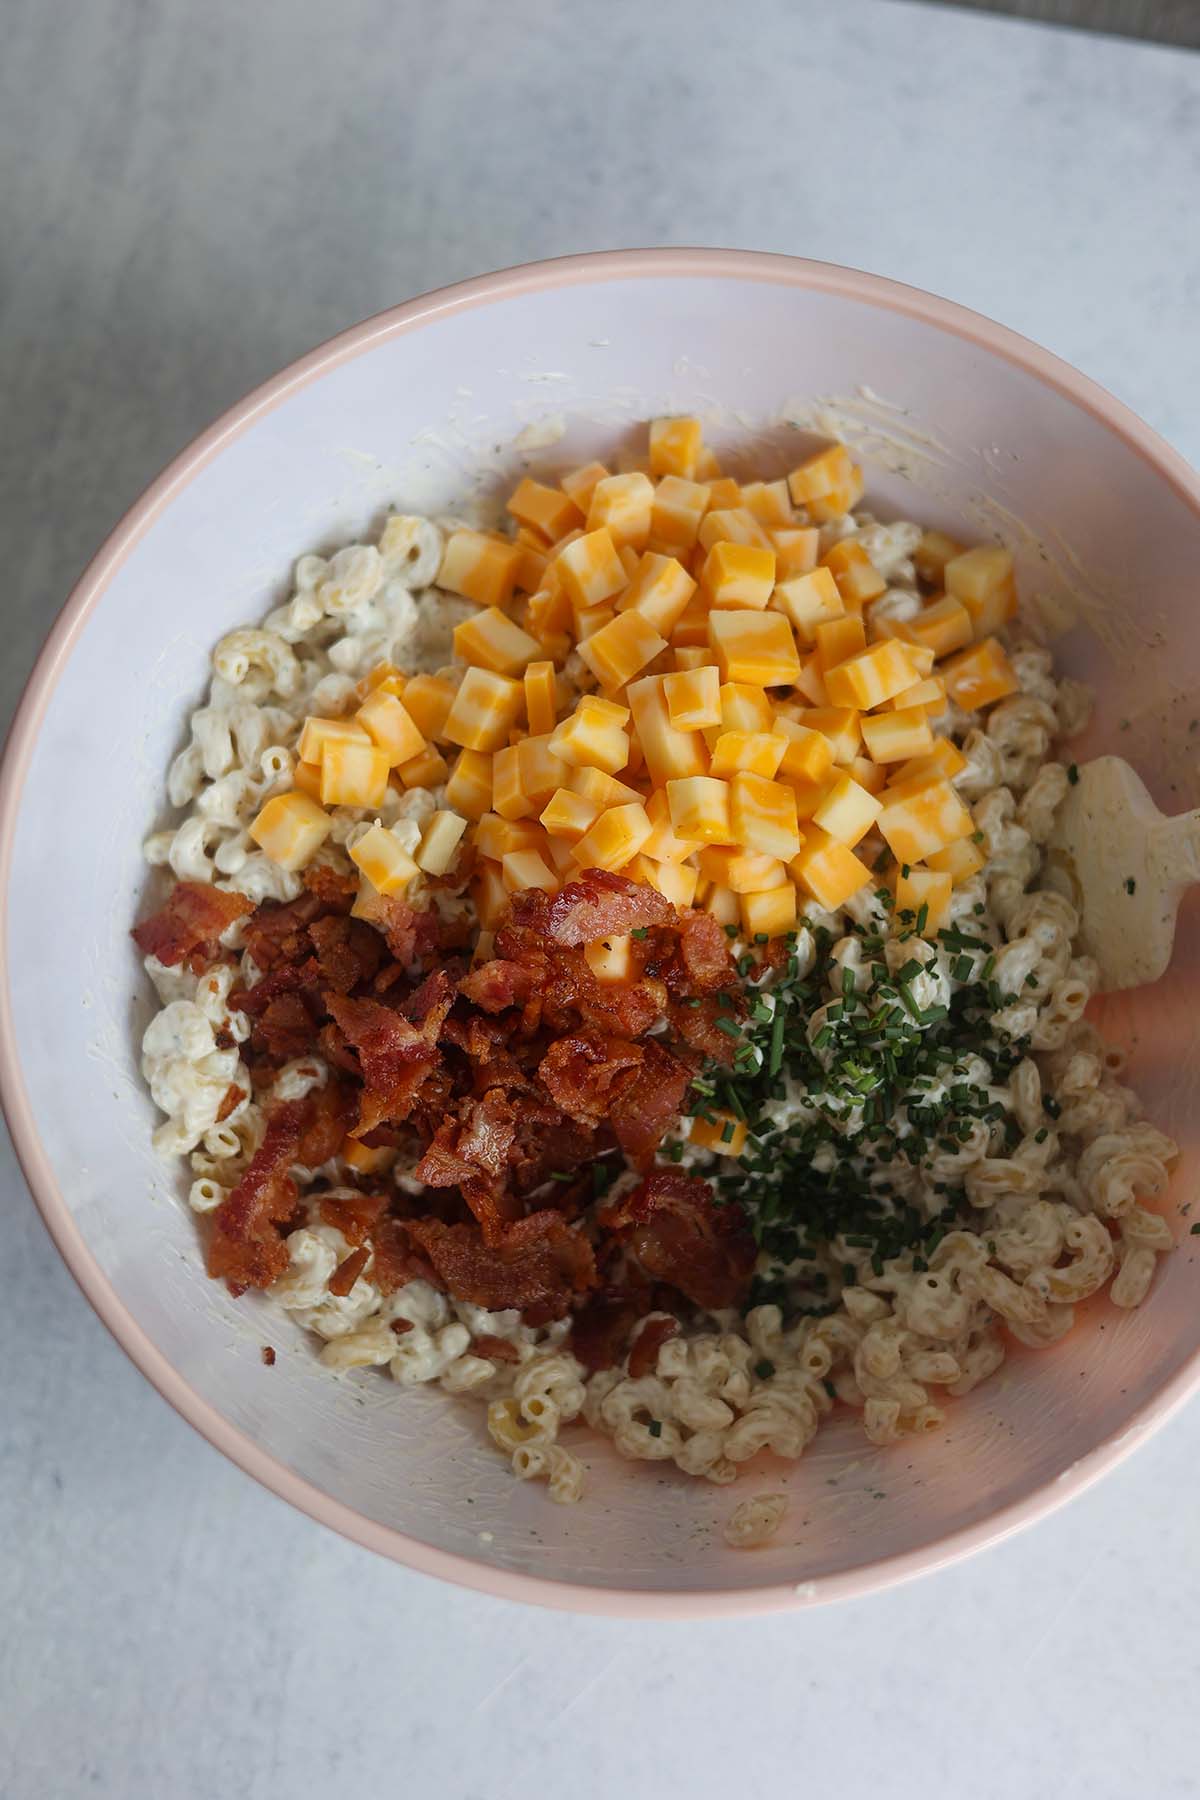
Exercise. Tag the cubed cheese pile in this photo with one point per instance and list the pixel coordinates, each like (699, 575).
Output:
(755, 738)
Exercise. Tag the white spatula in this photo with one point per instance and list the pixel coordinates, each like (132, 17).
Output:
(1124, 866)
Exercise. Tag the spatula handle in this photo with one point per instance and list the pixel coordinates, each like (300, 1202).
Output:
(1177, 849)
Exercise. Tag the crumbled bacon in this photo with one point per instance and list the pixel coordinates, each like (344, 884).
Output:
(644, 1109)
(268, 1355)
(348, 1272)
(495, 986)
(347, 952)
(354, 1215)
(584, 1074)
(704, 953)
(394, 1056)
(601, 1327)
(495, 1349)
(472, 1153)
(677, 1234)
(643, 1354)
(234, 1095)
(194, 916)
(286, 1028)
(397, 1259)
(411, 935)
(329, 1111)
(538, 1267)
(597, 905)
(246, 1246)
(698, 1027)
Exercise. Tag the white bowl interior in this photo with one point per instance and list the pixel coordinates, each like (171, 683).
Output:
(952, 433)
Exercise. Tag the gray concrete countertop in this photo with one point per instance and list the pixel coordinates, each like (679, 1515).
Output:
(190, 195)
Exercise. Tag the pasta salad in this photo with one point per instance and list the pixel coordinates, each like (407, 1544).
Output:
(605, 971)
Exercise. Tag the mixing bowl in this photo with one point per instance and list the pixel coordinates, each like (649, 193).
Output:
(960, 424)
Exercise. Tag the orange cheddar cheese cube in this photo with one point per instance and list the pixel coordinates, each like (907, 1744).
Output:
(750, 752)
(763, 815)
(676, 882)
(770, 503)
(383, 671)
(621, 649)
(670, 753)
(569, 815)
(425, 770)
(306, 777)
(384, 861)
(959, 860)
(595, 785)
(590, 738)
(753, 647)
(484, 710)
(621, 505)
(496, 837)
(745, 871)
(895, 736)
(870, 775)
(663, 845)
(580, 483)
(841, 725)
(847, 811)
(353, 774)
(810, 682)
(807, 754)
(839, 639)
(720, 1131)
(731, 525)
(745, 707)
(290, 829)
(441, 835)
(675, 447)
(928, 693)
(840, 501)
(427, 700)
(871, 676)
(489, 894)
(469, 789)
(614, 839)
(660, 590)
(944, 759)
(541, 771)
(541, 696)
(944, 625)
(549, 510)
(857, 578)
(827, 870)
(739, 575)
(921, 817)
(522, 869)
(821, 474)
(722, 903)
(984, 582)
(923, 899)
(365, 1160)
(934, 550)
(391, 727)
(479, 567)
(319, 732)
(700, 809)
(611, 959)
(693, 697)
(980, 676)
(590, 569)
(724, 494)
(796, 550)
(508, 797)
(808, 601)
(767, 915)
(676, 513)
(491, 640)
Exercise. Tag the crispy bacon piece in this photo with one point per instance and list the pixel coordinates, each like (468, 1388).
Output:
(429, 1004)
(354, 1215)
(286, 1028)
(538, 1267)
(234, 1095)
(704, 953)
(643, 1354)
(495, 986)
(676, 1234)
(698, 1027)
(644, 1109)
(246, 1247)
(397, 1259)
(584, 1074)
(334, 890)
(496, 1349)
(395, 1057)
(327, 1119)
(600, 1329)
(347, 951)
(193, 915)
(597, 905)
(348, 1272)
(412, 935)
(472, 1153)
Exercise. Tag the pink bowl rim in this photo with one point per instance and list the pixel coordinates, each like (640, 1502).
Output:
(508, 284)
